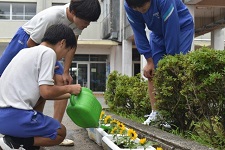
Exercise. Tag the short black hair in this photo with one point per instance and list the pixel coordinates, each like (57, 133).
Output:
(88, 10)
(136, 3)
(57, 32)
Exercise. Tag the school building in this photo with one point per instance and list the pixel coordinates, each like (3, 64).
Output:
(108, 44)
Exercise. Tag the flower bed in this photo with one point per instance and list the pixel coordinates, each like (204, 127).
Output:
(108, 142)
(116, 132)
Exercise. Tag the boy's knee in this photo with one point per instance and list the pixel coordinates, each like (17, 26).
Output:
(62, 132)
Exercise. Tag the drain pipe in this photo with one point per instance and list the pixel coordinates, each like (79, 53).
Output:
(121, 29)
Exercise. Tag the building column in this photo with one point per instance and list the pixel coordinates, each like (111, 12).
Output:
(116, 59)
(41, 5)
(127, 57)
(191, 9)
(217, 39)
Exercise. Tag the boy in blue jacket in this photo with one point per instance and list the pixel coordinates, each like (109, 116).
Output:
(172, 31)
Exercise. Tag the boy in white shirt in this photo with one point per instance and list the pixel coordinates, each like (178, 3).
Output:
(25, 85)
(77, 15)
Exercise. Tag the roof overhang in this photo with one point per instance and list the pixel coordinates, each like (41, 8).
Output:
(97, 42)
(107, 43)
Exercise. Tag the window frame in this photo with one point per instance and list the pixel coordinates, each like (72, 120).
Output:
(23, 15)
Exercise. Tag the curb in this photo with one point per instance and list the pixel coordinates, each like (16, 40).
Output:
(167, 140)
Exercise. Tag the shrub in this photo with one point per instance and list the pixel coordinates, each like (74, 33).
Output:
(168, 85)
(127, 95)
(111, 89)
(190, 92)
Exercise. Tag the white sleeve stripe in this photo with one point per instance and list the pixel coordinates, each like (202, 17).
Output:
(129, 18)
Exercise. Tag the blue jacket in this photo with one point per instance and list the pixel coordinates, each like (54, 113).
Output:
(165, 18)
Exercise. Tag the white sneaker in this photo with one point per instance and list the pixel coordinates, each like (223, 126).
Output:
(166, 125)
(8, 146)
(67, 142)
(152, 117)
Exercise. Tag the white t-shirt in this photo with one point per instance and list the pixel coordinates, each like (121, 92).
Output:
(30, 68)
(37, 26)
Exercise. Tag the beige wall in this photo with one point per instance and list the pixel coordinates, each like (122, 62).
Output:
(8, 28)
(93, 31)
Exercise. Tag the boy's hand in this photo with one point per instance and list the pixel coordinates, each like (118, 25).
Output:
(67, 78)
(56, 67)
(75, 89)
(149, 69)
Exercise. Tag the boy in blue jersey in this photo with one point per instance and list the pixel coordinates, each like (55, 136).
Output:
(172, 31)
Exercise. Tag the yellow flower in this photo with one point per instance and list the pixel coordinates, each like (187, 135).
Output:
(121, 125)
(107, 119)
(142, 141)
(113, 121)
(118, 123)
(102, 114)
(122, 130)
(132, 134)
(159, 148)
(114, 130)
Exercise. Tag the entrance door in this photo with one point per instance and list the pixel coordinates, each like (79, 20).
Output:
(82, 75)
(98, 76)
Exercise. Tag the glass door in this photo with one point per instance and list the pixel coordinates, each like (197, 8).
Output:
(82, 75)
(73, 72)
(98, 76)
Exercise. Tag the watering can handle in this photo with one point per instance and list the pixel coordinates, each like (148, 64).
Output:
(72, 99)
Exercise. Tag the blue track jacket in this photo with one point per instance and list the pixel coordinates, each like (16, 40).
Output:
(165, 18)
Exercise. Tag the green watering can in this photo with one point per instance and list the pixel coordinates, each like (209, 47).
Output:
(84, 109)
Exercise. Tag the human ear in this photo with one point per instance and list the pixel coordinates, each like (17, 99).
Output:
(63, 43)
(73, 12)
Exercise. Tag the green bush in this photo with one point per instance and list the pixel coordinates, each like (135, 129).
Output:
(111, 89)
(190, 93)
(168, 85)
(127, 95)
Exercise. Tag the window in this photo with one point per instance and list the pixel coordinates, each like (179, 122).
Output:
(83, 57)
(58, 4)
(135, 55)
(98, 57)
(17, 11)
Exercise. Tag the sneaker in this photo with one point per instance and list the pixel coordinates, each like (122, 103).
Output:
(166, 125)
(8, 145)
(67, 142)
(152, 117)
